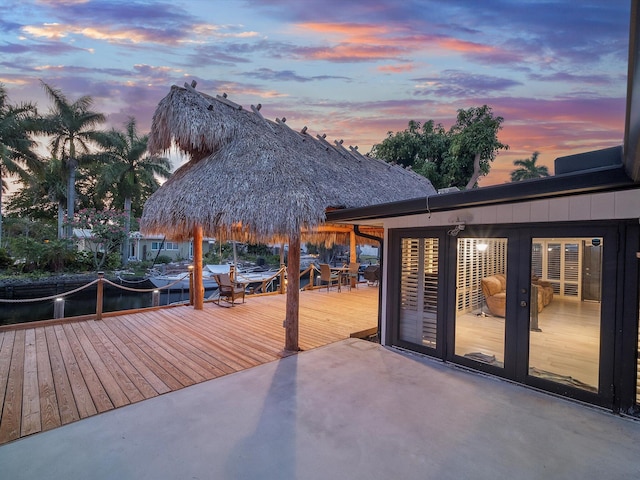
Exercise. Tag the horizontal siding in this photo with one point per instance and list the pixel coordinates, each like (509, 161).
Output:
(598, 206)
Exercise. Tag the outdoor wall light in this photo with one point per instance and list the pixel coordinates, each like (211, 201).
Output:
(456, 230)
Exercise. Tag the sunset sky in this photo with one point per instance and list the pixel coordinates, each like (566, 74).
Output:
(555, 70)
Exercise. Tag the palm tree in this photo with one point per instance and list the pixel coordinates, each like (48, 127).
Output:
(43, 194)
(528, 169)
(131, 173)
(72, 127)
(16, 145)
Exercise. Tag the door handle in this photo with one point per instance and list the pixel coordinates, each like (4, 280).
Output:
(523, 304)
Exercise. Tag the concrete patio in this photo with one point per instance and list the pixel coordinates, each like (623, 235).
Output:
(349, 410)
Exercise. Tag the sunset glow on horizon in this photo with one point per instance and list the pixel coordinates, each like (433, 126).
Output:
(554, 70)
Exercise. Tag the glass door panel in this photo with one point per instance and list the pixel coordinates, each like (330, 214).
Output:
(565, 311)
(419, 291)
(481, 299)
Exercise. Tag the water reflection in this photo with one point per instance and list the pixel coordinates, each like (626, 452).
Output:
(84, 303)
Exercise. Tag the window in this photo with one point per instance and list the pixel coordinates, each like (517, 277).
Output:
(166, 246)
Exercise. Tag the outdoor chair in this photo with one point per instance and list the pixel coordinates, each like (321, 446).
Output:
(228, 290)
(326, 275)
(372, 274)
(352, 275)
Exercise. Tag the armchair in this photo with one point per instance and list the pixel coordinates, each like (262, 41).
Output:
(227, 289)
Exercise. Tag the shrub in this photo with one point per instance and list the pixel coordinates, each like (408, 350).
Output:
(5, 259)
(164, 259)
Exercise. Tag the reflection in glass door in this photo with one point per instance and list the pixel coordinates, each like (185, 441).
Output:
(481, 299)
(564, 338)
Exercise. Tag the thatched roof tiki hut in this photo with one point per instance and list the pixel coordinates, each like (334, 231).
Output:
(252, 179)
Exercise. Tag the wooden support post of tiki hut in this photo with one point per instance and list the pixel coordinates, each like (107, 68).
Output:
(353, 254)
(293, 294)
(198, 294)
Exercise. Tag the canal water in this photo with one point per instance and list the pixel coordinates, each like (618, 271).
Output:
(84, 302)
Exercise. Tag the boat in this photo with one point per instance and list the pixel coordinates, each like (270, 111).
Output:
(258, 280)
(180, 281)
(253, 279)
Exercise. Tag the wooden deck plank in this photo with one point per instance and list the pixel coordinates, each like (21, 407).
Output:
(64, 393)
(142, 374)
(98, 394)
(6, 350)
(31, 422)
(235, 357)
(119, 367)
(165, 371)
(116, 396)
(172, 359)
(12, 409)
(205, 334)
(208, 363)
(88, 366)
(224, 358)
(49, 411)
(206, 346)
(80, 390)
(178, 348)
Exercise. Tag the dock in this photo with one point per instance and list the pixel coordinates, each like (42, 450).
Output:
(52, 375)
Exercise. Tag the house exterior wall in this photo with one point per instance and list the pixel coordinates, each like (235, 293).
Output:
(616, 209)
(600, 206)
(147, 248)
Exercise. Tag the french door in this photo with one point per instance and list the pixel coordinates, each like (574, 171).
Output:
(539, 310)
(535, 305)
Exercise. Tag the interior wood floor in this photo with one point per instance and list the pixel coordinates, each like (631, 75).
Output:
(56, 374)
(568, 344)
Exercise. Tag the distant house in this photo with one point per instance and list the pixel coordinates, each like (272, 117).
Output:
(149, 247)
(535, 281)
(143, 247)
(85, 241)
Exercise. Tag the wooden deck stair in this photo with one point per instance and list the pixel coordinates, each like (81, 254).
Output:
(56, 374)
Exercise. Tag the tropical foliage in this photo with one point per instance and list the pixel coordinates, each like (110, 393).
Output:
(17, 155)
(528, 168)
(87, 169)
(457, 157)
(71, 126)
(129, 173)
(102, 231)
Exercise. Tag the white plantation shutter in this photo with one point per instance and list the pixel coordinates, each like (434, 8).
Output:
(419, 290)
(571, 269)
(430, 297)
(561, 264)
(536, 260)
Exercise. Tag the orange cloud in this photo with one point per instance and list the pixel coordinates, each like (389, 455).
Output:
(465, 47)
(356, 32)
(56, 31)
(352, 52)
(394, 41)
(398, 68)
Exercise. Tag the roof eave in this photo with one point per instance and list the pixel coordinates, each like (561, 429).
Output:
(592, 181)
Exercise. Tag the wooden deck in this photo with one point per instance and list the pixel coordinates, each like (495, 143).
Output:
(56, 374)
